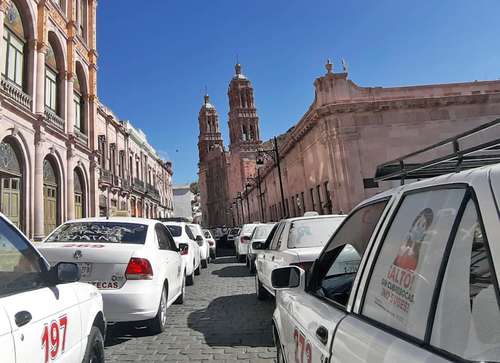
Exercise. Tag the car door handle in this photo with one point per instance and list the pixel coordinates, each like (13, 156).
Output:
(322, 334)
(22, 318)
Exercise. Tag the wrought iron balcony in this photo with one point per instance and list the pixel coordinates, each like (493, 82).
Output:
(105, 177)
(125, 184)
(138, 185)
(53, 119)
(153, 192)
(15, 93)
(80, 136)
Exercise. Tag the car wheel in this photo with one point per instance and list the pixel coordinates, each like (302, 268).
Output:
(280, 357)
(94, 353)
(204, 263)
(237, 257)
(260, 290)
(180, 299)
(252, 267)
(190, 280)
(241, 258)
(197, 271)
(158, 323)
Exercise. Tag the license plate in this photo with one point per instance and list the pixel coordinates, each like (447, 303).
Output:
(85, 269)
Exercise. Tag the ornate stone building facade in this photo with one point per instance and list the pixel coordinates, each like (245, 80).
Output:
(223, 173)
(329, 157)
(49, 135)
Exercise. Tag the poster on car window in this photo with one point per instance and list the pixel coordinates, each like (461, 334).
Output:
(402, 283)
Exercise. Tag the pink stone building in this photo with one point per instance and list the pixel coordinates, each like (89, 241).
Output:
(51, 167)
(329, 157)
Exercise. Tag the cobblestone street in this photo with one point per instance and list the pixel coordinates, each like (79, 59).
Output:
(220, 320)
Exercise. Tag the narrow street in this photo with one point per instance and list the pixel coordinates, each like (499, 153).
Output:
(220, 320)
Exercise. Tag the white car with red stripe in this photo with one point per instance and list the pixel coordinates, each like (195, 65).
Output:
(45, 315)
(134, 262)
(190, 251)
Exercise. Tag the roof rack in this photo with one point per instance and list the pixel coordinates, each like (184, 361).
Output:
(474, 148)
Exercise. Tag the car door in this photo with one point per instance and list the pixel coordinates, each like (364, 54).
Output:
(6, 339)
(267, 258)
(171, 260)
(395, 318)
(45, 318)
(309, 319)
(277, 255)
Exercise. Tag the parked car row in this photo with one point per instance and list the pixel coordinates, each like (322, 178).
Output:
(130, 270)
(410, 275)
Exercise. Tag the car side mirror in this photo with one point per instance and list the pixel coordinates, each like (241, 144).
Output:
(66, 272)
(258, 246)
(289, 277)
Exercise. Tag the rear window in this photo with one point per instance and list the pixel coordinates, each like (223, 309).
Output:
(312, 232)
(175, 231)
(102, 232)
(235, 231)
(247, 229)
(261, 232)
(207, 234)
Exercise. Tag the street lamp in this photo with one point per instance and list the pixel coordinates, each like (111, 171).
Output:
(258, 181)
(273, 153)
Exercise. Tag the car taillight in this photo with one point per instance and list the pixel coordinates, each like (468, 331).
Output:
(139, 269)
(185, 251)
(245, 239)
(211, 243)
(303, 265)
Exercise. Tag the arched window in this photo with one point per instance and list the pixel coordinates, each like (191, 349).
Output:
(51, 81)
(11, 181)
(79, 93)
(13, 47)
(50, 195)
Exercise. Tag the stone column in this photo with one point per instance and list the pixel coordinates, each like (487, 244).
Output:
(70, 184)
(40, 79)
(39, 232)
(70, 104)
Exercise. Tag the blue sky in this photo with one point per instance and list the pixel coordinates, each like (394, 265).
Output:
(156, 56)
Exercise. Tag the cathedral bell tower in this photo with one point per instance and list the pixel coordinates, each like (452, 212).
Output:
(244, 130)
(210, 136)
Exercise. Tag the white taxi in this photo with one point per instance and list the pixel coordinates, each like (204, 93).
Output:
(133, 262)
(211, 243)
(45, 315)
(189, 249)
(202, 242)
(296, 241)
(424, 287)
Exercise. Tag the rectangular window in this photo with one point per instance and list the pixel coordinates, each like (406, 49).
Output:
(294, 211)
(320, 204)
(402, 284)
(311, 194)
(5, 45)
(328, 201)
(78, 110)
(467, 321)
(50, 89)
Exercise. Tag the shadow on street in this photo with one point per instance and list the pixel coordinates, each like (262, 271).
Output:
(239, 320)
(121, 333)
(233, 271)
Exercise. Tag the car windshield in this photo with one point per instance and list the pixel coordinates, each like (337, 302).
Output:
(247, 229)
(207, 234)
(312, 232)
(102, 232)
(261, 232)
(235, 231)
(20, 265)
(176, 231)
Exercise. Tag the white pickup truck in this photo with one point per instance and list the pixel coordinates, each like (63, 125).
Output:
(424, 287)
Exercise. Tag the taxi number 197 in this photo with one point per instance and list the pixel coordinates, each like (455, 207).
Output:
(54, 338)
(302, 347)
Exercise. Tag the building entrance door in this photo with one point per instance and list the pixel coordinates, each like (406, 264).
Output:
(78, 205)
(50, 208)
(11, 199)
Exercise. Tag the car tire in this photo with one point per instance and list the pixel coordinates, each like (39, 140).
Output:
(260, 291)
(180, 299)
(241, 258)
(280, 357)
(237, 257)
(252, 267)
(197, 271)
(158, 323)
(190, 280)
(95, 347)
(204, 263)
